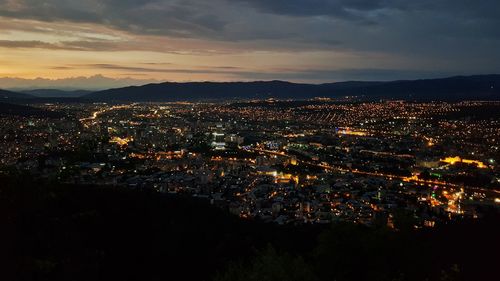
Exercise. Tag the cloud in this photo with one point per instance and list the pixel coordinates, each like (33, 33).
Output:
(291, 74)
(356, 9)
(350, 10)
(229, 70)
(27, 44)
(64, 45)
(176, 18)
(448, 35)
(312, 21)
(96, 82)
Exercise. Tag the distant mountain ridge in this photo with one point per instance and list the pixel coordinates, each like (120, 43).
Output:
(92, 83)
(55, 93)
(452, 88)
(477, 87)
(8, 95)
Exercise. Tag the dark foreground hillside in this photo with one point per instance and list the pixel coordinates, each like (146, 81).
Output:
(8, 109)
(56, 232)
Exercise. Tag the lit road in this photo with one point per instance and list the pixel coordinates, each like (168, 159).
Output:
(413, 179)
(96, 114)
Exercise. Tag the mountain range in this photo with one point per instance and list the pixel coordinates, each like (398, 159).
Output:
(9, 95)
(453, 88)
(92, 83)
(56, 93)
(478, 87)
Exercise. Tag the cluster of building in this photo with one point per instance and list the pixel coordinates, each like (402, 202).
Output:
(294, 162)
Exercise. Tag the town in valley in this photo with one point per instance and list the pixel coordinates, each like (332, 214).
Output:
(282, 161)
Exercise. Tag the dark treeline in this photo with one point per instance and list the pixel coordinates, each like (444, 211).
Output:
(62, 232)
(7, 109)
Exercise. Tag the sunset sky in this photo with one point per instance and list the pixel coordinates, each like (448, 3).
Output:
(227, 40)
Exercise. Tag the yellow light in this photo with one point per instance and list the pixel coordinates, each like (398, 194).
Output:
(120, 141)
(457, 159)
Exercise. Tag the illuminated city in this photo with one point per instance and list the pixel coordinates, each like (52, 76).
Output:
(249, 140)
(281, 161)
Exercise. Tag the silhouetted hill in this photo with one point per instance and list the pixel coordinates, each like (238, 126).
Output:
(8, 95)
(67, 232)
(54, 93)
(453, 88)
(205, 91)
(8, 109)
(39, 100)
(43, 96)
(485, 87)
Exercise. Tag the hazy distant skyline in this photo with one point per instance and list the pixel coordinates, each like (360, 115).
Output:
(96, 82)
(222, 40)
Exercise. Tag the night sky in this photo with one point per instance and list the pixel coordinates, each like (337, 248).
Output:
(227, 40)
